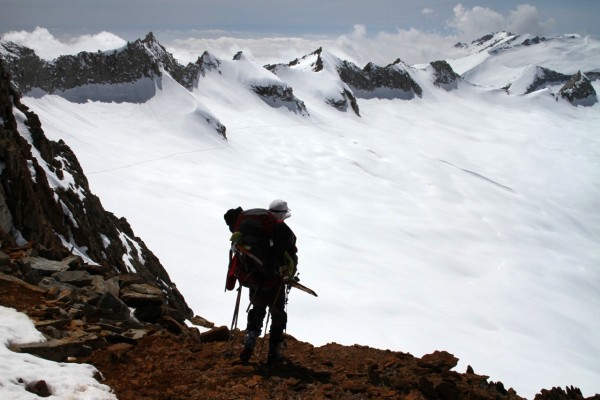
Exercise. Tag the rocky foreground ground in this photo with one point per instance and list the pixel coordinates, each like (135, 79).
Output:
(167, 360)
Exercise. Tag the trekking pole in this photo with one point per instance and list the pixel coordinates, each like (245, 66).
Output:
(237, 309)
(262, 343)
(234, 322)
(228, 267)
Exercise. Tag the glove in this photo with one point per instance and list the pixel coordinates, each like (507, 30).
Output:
(236, 237)
(285, 273)
(288, 270)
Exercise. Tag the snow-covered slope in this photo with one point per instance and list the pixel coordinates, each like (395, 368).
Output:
(499, 59)
(315, 77)
(463, 220)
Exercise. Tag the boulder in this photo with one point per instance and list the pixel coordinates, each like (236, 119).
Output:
(114, 307)
(219, 334)
(4, 259)
(76, 278)
(47, 267)
(59, 349)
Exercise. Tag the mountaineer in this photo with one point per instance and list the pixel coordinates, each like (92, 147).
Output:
(263, 258)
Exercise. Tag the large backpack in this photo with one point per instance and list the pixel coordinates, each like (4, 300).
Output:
(252, 261)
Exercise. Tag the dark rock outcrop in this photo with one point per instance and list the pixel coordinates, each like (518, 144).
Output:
(557, 393)
(275, 93)
(341, 101)
(280, 96)
(546, 77)
(347, 100)
(129, 74)
(392, 81)
(130, 64)
(83, 307)
(593, 75)
(445, 77)
(579, 91)
(165, 359)
(533, 41)
(190, 75)
(317, 64)
(494, 42)
(45, 199)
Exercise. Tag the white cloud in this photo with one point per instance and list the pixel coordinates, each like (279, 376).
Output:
(412, 46)
(525, 19)
(473, 23)
(427, 11)
(49, 47)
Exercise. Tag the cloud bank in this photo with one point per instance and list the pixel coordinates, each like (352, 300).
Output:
(382, 48)
(413, 46)
(49, 47)
(482, 20)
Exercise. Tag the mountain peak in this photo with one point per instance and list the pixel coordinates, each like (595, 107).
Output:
(312, 60)
(149, 39)
(238, 56)
(579, 90)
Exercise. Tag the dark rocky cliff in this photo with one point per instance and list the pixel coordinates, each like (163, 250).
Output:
(579, 90)
(392, 81)
(129, 74)
(344, 100)
(125, 65)
(45, 201)
(445, 77)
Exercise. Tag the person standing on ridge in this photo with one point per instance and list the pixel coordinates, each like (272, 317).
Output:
(276, 253)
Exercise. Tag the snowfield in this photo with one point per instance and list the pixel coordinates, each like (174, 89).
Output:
(465, 221)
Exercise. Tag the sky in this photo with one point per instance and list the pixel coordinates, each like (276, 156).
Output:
(379, 30)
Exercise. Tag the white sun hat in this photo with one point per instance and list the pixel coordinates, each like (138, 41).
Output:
(280, 209)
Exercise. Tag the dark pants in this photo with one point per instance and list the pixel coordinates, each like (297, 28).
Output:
(274, 298)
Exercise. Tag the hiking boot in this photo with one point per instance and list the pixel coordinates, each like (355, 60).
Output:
(275, 352)
(246, 354)
(249, 343)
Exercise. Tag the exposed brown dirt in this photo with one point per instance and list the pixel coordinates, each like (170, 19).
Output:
(170, 366)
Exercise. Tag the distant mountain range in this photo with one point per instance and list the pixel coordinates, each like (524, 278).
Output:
(48, 211)
(519, 65)
(135, 72)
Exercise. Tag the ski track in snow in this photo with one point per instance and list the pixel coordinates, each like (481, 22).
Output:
(479, 176)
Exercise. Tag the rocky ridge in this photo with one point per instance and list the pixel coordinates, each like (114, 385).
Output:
(579, 90)
(129, 74)
(139, 66)
(445, 77)
(582, 93)
(345, 99)
(45, 199)
(83, 312)
(392, 81)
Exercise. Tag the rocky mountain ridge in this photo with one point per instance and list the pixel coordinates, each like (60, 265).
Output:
(45, 199)
(129, 74)
(133, 73)
(536, 77)
(85, 318)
